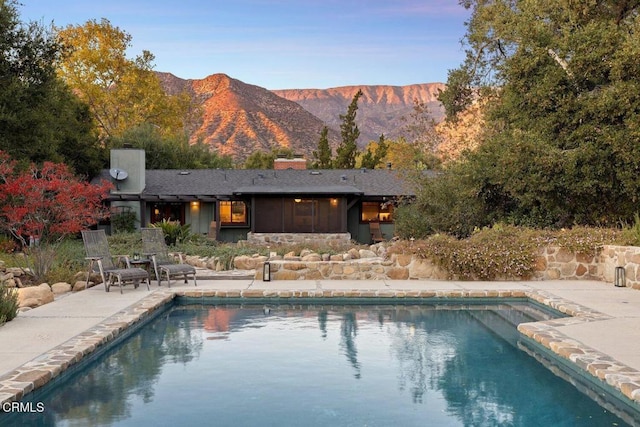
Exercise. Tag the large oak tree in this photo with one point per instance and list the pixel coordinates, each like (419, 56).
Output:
(561, 87)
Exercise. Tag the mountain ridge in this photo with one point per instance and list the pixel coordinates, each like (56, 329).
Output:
(382, 109)
(240, 118)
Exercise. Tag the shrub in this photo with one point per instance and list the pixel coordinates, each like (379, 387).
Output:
(8, 304)
(631, 234)
(7, 244)
(174, 232)
(445, 203)
(125, 243)
(69, 259)
(503, 251)
(123, 222)
(410, 222)
(582, 239)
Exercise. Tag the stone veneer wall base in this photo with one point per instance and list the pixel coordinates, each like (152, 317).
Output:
(553, 263)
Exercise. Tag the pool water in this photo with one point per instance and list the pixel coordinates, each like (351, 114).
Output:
(340, 365)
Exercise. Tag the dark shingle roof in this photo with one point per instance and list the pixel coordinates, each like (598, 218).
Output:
(229, 182)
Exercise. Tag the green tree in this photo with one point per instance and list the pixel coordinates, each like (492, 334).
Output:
(323, 157)
(561, 143)
(40, 118)
(348, 148)
(420, 128)
(374, 155)
(170, 151)
(262, 160)
(121, 93)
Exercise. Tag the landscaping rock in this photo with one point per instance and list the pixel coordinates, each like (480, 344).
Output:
(354, 253)
(245, 262)
(80, 275)
(16, 271)
(35, 296)
(60, 288)
(212, 264)
(365, 253)
(81, 285)
(312, 257)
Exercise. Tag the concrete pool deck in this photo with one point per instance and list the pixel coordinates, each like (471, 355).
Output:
(601, 338)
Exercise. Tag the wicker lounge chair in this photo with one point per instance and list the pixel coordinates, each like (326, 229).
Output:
(154, 246)
(96, 247)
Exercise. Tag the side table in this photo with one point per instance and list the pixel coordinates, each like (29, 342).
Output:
(141, 263)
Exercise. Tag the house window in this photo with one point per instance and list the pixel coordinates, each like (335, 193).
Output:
(377, 211)
(300, 215)
(233, 213)
(167, 211)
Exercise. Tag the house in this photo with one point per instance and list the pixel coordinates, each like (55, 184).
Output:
(285, 204)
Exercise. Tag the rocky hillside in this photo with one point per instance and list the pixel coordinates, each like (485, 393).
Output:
(380, 109)
(239, 118)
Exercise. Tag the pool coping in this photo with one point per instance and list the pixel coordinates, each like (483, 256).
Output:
(41, 370)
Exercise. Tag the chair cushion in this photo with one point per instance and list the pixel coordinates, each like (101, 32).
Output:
(172, 269)
(126, 274)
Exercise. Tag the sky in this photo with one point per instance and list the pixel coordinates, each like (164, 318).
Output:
(282, 44)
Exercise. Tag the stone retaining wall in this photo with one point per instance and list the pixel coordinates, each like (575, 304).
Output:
(558, 263)
(331, 239)
(627, 257)
(553, 264)
(398, 267)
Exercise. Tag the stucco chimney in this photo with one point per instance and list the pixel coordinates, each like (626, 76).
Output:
(131, 161)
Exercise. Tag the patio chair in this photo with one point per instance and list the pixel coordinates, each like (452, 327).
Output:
(376, 234)
(154, 246)
(96, 247)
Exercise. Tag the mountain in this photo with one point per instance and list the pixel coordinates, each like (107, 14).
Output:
(239, 119)
(380, 108)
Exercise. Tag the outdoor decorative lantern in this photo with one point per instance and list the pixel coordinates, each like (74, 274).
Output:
(266, 272)
(620, 279)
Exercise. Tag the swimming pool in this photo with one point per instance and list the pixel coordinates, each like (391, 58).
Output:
(320, 365)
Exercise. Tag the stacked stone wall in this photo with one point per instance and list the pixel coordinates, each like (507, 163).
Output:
(627, 257)
(553, 263)
(331, 239)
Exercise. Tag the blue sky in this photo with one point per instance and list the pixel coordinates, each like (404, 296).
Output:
(282, 44)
